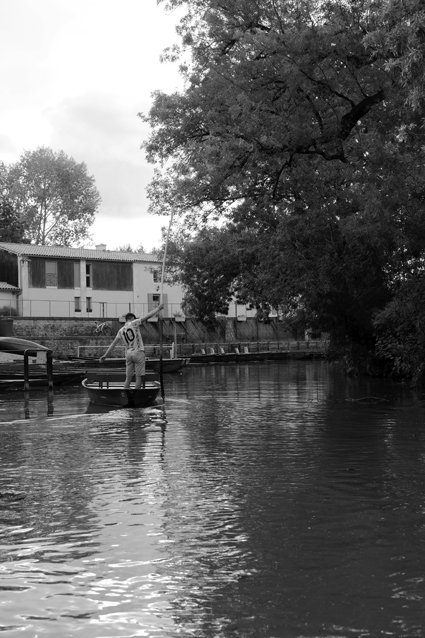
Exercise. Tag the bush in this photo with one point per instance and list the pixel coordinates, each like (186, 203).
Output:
(400, 330)
(8, 311)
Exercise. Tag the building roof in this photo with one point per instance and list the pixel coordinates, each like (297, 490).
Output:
(8, 287)
(29, 250)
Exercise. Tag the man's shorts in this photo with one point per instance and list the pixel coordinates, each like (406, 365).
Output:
(135, 362)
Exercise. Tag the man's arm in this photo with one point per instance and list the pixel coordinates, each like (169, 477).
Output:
(111, 347)
(152, 312)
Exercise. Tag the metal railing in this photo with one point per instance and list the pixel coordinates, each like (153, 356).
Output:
(67, 309)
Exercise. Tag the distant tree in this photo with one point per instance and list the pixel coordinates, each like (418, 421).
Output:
(11, 226)
(54, 196)
(127, 248)
(207, 267)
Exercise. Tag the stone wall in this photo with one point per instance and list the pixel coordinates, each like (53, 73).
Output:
(76, 337)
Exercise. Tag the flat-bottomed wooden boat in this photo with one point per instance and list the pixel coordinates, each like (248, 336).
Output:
(106, 387)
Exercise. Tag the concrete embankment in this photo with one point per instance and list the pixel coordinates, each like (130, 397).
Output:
(80, 337)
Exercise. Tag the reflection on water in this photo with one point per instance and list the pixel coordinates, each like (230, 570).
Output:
(267, 500)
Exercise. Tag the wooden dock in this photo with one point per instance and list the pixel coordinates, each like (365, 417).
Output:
(254, 351)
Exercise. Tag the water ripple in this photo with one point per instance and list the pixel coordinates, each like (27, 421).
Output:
(261, 501)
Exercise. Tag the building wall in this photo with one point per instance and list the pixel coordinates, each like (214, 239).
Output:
(107, 304)
(87, 302)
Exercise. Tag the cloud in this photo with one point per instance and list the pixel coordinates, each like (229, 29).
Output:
(106, 135)
(74, 74)
(7, 146)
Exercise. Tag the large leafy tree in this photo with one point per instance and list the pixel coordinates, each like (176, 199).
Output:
(301, 129)
(54, 196)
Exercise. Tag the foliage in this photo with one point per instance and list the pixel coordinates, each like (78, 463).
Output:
(301, 130)
(53, 195)
(400, 328)
(11, 226)
(207, 267)
(127, 248)
(8, 311)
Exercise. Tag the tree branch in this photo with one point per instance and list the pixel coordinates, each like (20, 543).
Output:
(350, 119)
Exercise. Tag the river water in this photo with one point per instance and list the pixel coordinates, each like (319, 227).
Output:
(271, 500)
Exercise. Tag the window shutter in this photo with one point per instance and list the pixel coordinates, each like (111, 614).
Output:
(110, 275)
(66, 273)
(37, 273)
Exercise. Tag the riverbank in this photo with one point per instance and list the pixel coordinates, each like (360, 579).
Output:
(85, 338)
(72, 370)
(245, 352)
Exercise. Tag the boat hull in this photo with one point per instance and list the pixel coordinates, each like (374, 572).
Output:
(18, 381)
(13, 345)
(117, 396)
(168, 365)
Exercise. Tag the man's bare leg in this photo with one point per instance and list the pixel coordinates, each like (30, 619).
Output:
(140, 382)
(128, 379)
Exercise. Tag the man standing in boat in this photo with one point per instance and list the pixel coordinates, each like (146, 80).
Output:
(131, 337)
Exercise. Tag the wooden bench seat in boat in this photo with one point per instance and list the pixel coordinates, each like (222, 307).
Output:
(107, 375)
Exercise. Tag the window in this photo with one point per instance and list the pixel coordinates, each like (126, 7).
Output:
(37, 273)
(76, 274)
(77, 304)
(66, 273)
(112, 275)
(88, 304)
(156, 277)
(154, 300)
(51, 274)
(88, 275)
(63, 273)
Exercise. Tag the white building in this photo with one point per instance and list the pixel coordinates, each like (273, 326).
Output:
(55, 281)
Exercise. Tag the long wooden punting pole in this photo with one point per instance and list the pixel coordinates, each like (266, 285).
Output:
(161, 298)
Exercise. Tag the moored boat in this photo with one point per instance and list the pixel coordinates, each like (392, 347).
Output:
(168, 365)
(17, 381)
(152, 364)
(106, 387)
(13, 345)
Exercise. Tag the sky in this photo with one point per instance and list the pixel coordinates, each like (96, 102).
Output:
(74, 74)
